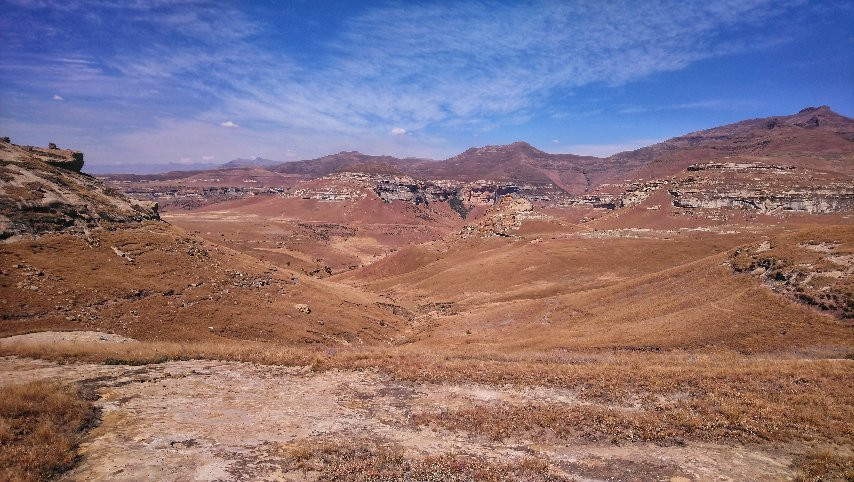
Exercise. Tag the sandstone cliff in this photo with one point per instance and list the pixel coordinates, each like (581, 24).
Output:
(502, 219)
(43, 190)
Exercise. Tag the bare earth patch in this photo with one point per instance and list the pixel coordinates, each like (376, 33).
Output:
(207, 420)
(49, 337)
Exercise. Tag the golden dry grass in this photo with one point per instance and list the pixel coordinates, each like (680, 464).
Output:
(663, 397)
(825, 466)
(178, 288)
(573, 293)
(361, 460)
(144, 353)
(659, 397)
(811, 266)
(40, 426)
(749, 420)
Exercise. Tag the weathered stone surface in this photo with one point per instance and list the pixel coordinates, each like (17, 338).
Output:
(814, 270)
(64, 158)
(344, 186)
(506, 216)
(762, 187)
(820, 201)
(486, 193)
(616, 196)
(42, 191)
(767, 188)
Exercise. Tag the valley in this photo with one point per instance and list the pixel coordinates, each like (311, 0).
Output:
(678, 312)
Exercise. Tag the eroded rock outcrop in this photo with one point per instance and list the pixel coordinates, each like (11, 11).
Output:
(616, 196)
(401, 188)
(344, 186)
(477, 193)
(813, 201)
(766, 188)
(814, 268)
(42, 190)
(502, 219)
(486, 193)
(64, 158)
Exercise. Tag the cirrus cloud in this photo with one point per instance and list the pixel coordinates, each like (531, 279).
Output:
(436, 68)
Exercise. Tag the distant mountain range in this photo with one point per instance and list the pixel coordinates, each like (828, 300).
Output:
(148, 169)
(145, 169)
(815, 137)
(250, 162)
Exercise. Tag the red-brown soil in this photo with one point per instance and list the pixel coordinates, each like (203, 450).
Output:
(691, 324)
(156, 282)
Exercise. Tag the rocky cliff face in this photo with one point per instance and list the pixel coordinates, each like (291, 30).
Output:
(42, 190)
(616, 196)
(818, 201)
(763, 187)
(344, 186)
(503, 218)
(404, 188)
(485, 193)
(64, 158)
(766, 188)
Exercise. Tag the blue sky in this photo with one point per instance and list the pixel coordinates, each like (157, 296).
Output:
(157, 82)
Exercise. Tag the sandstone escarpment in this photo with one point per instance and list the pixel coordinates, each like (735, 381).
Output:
(64, 158)
(766, 188)
(42, 190)
(502, 219)
(345, 186)
(814, 201)
(615, 196)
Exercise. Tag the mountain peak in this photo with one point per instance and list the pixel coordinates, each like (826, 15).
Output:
(515, 147)
(821, 108)
(521, 144)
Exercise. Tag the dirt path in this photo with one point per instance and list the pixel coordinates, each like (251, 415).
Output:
(207, 420)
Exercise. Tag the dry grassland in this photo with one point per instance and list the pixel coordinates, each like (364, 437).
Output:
(40, 426)
(664, 398)
(362, 460)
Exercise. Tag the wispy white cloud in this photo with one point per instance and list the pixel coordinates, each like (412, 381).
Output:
(57, 97)
(484, 64)
(432, 68)
(715, 104)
